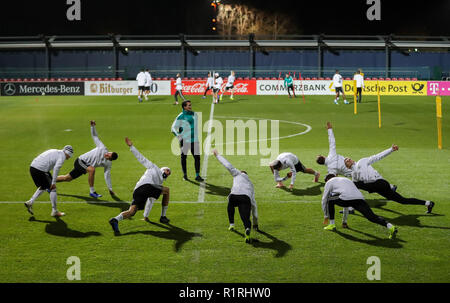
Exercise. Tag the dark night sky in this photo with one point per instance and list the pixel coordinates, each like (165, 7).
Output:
(167, 17)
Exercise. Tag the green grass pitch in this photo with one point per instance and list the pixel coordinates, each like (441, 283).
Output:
(196, 246)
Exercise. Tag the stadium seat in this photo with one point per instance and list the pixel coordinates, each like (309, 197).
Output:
(414, 79)
(171, 78)
(388, 79)
(119, 79)
(259, 78)
(321, 78)
(395, 79)
(348, 78)
(274, 78)
(72, 79)
(253, 78)
(327, 78)
(313, 78)
(381, 78)
(266, 78)
(246, 78)
(307, 78)
(407, 79)
(401, 79)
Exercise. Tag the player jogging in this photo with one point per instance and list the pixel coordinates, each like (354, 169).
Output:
(289, 85)
(368, 179)
(148, 83)
(337, 83)
(343, 192)
(40, 168)
(141, 79)
(242, 196)
(229, 85)
(208, 85)
(178, 89)
(289, 160)
(87, 162)
(147, 190)
(218, 81)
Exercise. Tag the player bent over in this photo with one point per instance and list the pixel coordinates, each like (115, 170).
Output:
(87, 162)
(39, 170)
(289, 160)
(242, 196)
(147, 190)
(343, 192)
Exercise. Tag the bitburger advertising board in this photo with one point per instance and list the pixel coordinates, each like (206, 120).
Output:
(124, 88)
(42, 88)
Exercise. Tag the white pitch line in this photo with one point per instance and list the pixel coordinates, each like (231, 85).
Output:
(201, 190)
(171, 202)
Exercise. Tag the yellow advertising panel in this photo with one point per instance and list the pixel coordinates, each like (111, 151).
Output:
(392, 88)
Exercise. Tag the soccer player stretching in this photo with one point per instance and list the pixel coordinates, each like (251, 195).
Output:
(368, 179)
(149, 187)
(242, 196)
(343, 192)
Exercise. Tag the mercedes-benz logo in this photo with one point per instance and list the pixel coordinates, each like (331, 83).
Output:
(9, 89)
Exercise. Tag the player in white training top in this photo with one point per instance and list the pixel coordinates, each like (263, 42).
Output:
(178, 89)
(40, 168)
(141, 79)
(218, 81)
(289, 160)
(242, 196)
(87, 162)
(148, 83)
(229, 85)
(208, 85)
(343, 192)
(147, 190)
(337, 83)
(359, 85)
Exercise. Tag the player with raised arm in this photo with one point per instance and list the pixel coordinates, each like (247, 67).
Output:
(289, 160)
(87, 162)
(367, 178)
(242, 196)
(40, 168)
(147, 190)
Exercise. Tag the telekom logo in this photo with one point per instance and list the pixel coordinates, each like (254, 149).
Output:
(434, 87)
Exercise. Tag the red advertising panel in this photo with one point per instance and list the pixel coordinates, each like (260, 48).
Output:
(197, 87)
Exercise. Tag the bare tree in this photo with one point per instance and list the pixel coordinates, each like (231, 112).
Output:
(243, 20)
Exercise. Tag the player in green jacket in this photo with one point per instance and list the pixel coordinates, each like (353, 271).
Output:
(289, 85)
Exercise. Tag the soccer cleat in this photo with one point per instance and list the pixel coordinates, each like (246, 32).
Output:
(346, 102)
(330, 227)
(221, 97)
(316, 177)
(204, 97)
(115, 225)
(164, 220)
(185, 178)
(231, 98)
(247, 236)
(335, 102)
(393, 232)
(56, 213)
(344, 225)
(430, 207)
(255, 227)
(95, 195)
(231, 227)
(394, 187)
(199, 179)
(29, 207)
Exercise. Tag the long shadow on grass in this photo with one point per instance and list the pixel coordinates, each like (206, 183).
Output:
(412, 220)
(60, 228)
(381, 242)
(310, 191)
(122, 205)
(212, 189)
(276, 244)
(172, 232)
(379, 203)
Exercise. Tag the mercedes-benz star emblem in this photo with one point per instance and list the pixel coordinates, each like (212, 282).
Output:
(9, 89)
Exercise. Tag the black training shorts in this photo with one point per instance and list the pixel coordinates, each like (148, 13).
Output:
(41, 179)
(78, 168)
(143, 192)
